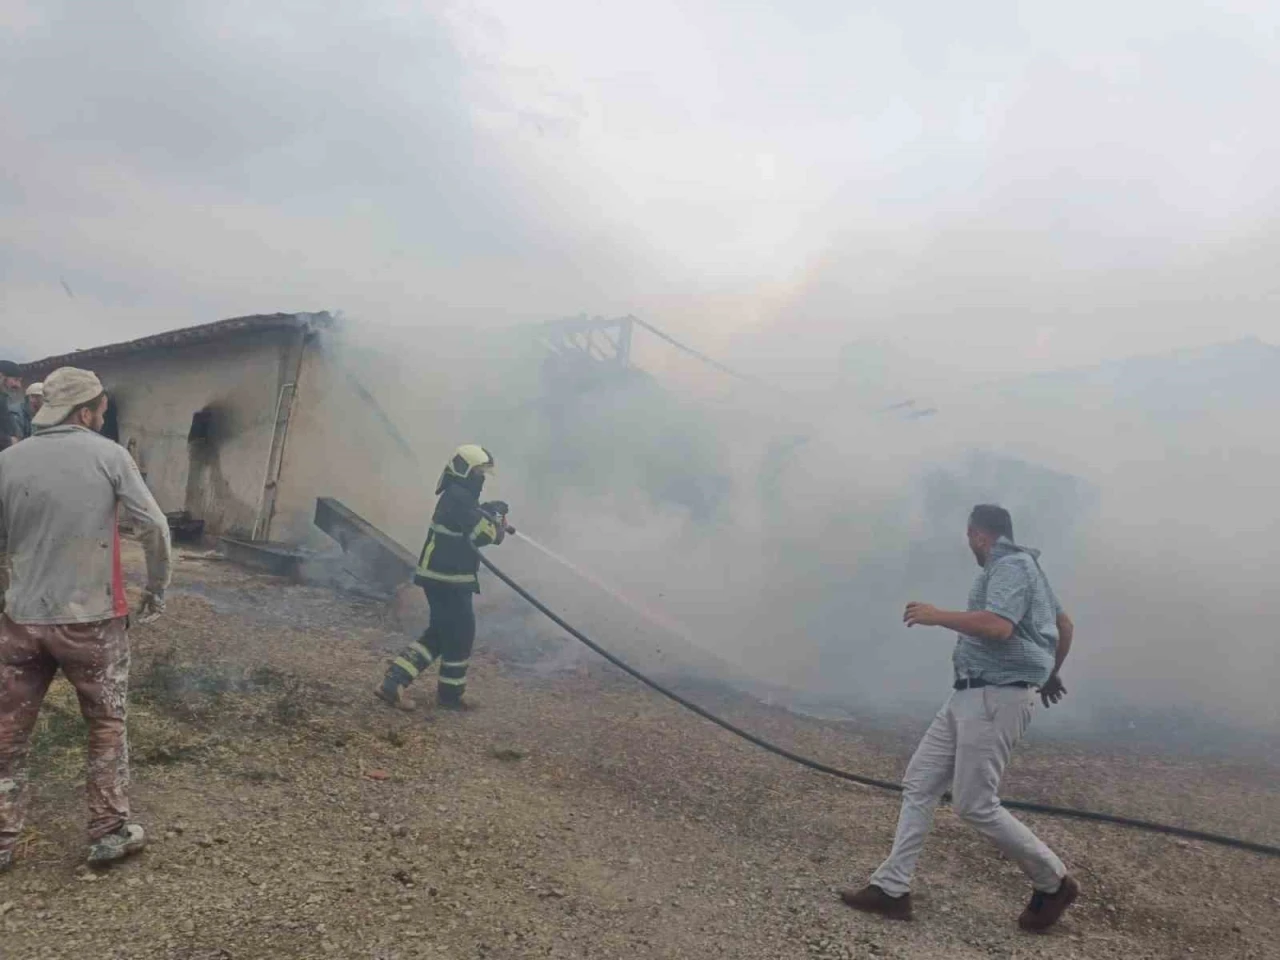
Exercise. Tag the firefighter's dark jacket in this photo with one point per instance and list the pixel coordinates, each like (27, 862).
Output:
(447, 556)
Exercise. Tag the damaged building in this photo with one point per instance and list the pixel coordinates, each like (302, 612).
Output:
(241, 426)
(210, 413)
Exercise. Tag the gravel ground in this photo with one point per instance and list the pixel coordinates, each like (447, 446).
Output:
(573, 814)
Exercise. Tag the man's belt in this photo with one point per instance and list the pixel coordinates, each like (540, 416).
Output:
(973, 683)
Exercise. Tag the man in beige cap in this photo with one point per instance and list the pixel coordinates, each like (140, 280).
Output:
(35, 399)
(60, 494)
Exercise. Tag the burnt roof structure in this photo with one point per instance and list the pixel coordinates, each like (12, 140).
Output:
(204, 333)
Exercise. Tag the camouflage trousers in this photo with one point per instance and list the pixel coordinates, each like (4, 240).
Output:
(94, 657)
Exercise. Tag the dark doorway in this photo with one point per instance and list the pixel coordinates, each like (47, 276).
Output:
(111, 420)
(201, 432)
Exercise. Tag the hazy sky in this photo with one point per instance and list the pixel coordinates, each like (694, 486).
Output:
(993, 185)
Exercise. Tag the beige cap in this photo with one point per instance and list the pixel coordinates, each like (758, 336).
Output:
(64, 390)
(35, 390)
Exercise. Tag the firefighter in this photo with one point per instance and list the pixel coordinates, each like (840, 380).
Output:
(447, 572)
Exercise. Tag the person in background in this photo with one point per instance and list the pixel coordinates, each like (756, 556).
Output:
(13, 419)
(9, 424)
(1012, 640)
(65, 605)
(35, 399)
(448, 573)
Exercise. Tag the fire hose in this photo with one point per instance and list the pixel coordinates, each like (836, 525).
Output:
(1024, 805)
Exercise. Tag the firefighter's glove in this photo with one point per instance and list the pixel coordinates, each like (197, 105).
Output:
(151, 607)
(498, 510)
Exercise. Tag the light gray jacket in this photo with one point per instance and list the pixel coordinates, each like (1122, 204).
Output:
(60, 494)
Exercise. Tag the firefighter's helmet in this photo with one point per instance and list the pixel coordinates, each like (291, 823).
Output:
(468, 460)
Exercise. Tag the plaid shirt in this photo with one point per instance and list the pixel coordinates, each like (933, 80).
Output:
(1013, 586)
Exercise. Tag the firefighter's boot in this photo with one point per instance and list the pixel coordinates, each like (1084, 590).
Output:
(455, 704)
(452, 685)
(403, 670)
(391, 691)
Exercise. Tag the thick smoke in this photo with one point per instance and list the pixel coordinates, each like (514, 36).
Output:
(786, 530)
(932, 204)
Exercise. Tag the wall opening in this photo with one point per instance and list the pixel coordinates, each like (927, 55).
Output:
(111, 420)
(201, 432)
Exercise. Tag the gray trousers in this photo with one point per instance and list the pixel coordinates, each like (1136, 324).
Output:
(967, 748)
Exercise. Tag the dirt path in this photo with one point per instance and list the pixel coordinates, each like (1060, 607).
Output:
(573, 815)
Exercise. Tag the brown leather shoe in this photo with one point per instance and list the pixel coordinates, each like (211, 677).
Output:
(871, 899)
(1046, 909)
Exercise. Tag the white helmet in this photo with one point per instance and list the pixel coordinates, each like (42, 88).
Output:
(467, 459)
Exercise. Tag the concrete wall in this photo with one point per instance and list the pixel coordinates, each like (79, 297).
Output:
(238, 379)
(380, 411)
(380, 458)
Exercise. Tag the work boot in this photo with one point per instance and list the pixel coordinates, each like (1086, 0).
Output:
(455, 704)
(871, 899)
(390, 692)
(125, 842)
(1046, 909)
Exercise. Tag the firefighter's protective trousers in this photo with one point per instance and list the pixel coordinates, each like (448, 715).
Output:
(447, 640)
(447, 572)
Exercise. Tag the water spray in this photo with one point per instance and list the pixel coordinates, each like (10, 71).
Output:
(652, 616)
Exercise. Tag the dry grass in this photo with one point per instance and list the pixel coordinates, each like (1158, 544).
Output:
(58, 741)
(572, 816)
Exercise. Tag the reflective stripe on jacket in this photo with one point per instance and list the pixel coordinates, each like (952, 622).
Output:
(457, 524)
